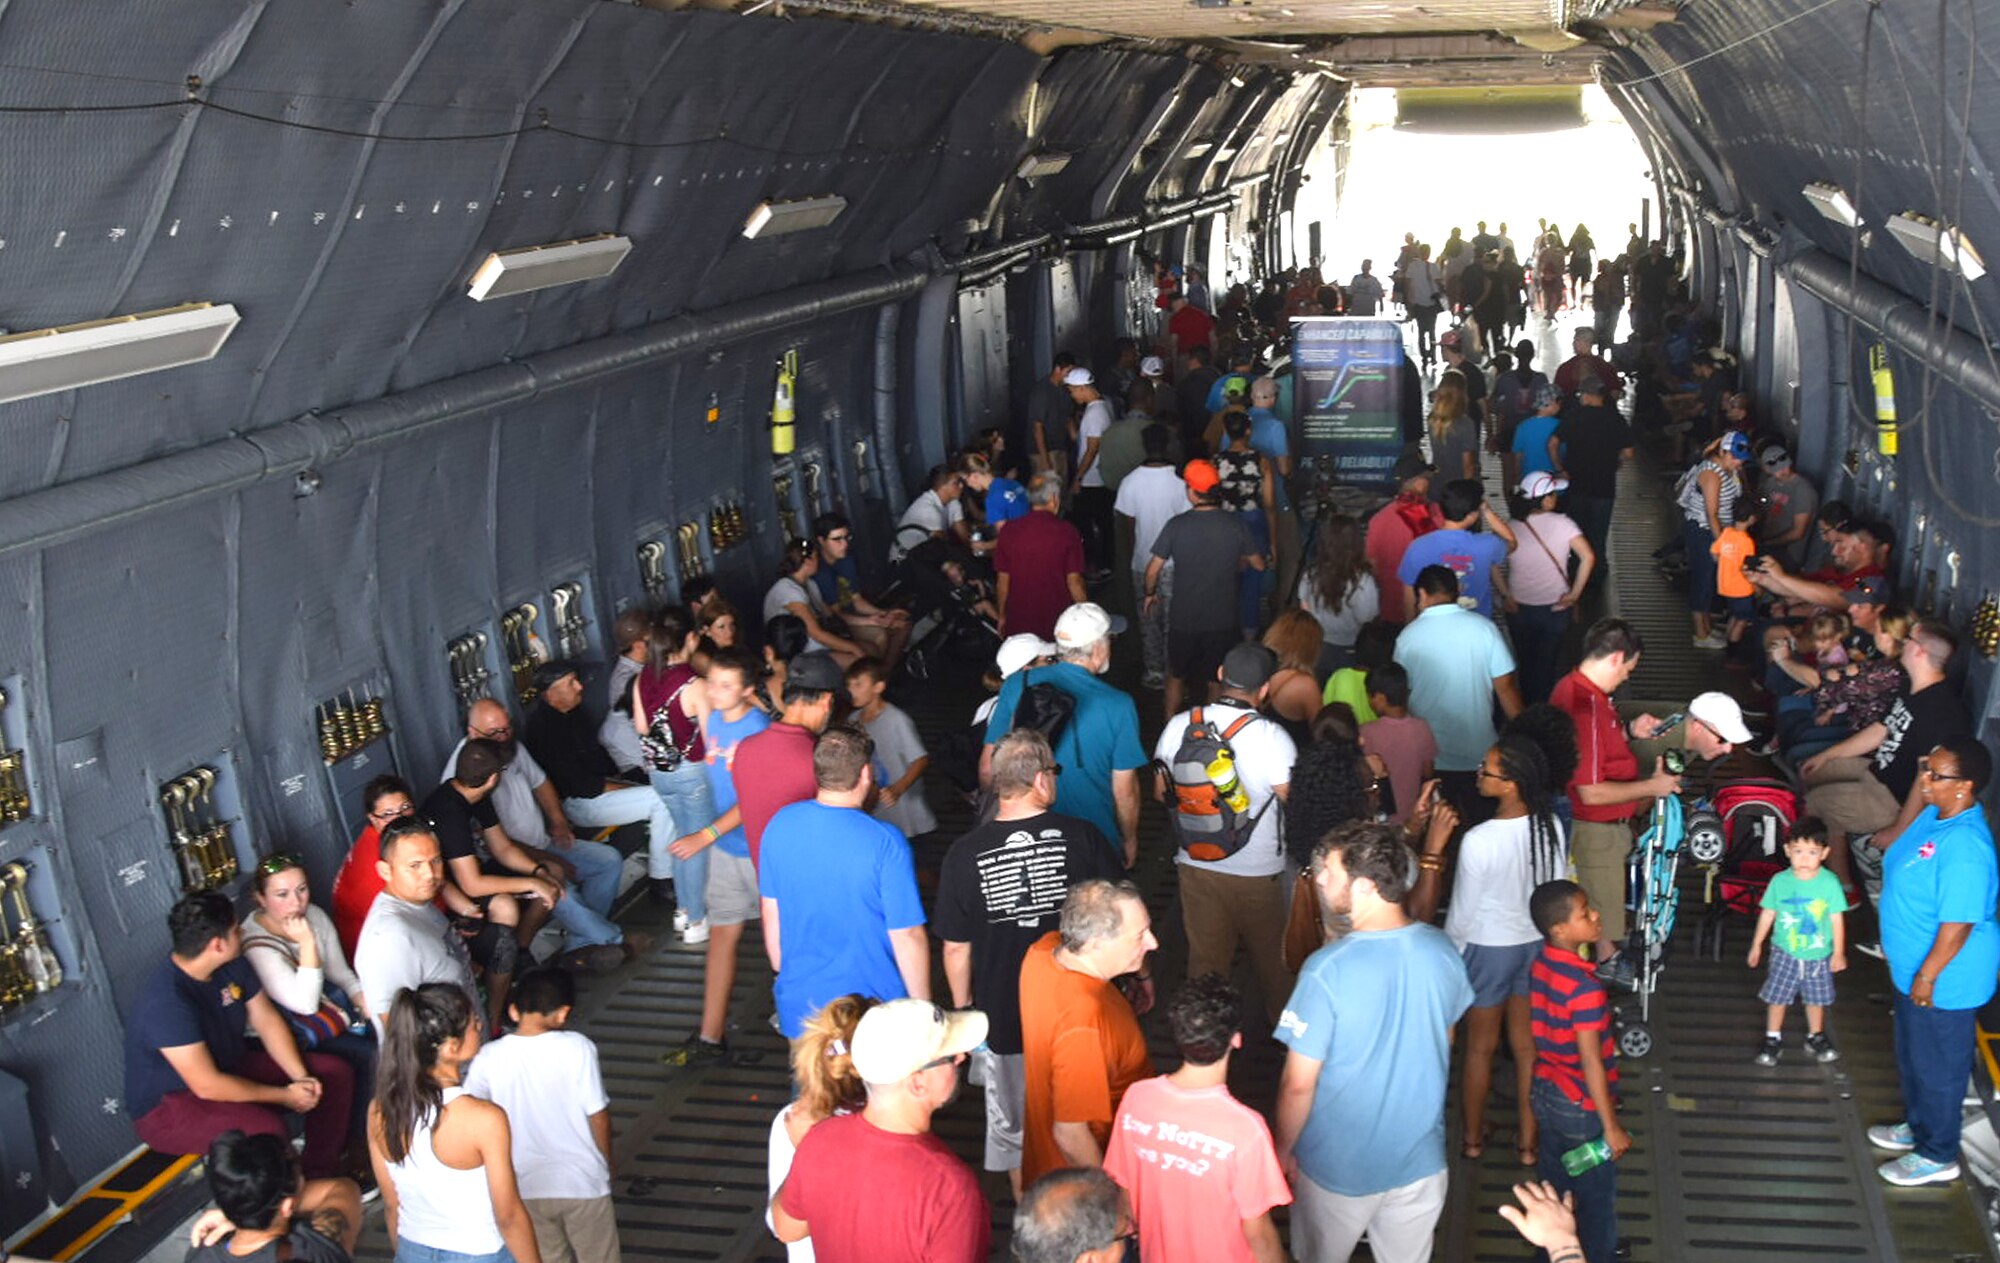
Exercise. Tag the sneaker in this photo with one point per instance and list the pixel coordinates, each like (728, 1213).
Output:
(696, 932)
(662, 890)
(1714, 640)
(696, 1052)
(680, 920)
(1151, 681)
(1913, 1170)
(1769, 1050)
(1870, 947)
(1766, 748)
(1618, 972)
(1896, 1137)
(636, 944)
(1821, 1047)
(594, 960)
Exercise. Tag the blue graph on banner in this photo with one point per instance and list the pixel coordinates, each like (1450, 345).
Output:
(1364, 367)
(1349, 374)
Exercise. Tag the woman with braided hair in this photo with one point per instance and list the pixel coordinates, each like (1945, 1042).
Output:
(443, 1160)
(1500, 863)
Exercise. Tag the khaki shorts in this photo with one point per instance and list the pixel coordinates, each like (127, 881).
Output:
(1599, 850)
(1846, 794)
(732, 889)
(574, 1229)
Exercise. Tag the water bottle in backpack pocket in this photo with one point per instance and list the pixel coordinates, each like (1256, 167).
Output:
(1210, 810)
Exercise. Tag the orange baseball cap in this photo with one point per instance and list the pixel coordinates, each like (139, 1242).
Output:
(1201, 477)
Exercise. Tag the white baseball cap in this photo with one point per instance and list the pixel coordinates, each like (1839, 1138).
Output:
(1079, 377)
(1720, 712)
(1541, 483)
(1019, 650)
(1152, 366)
(895, 1040)
(1084, 624)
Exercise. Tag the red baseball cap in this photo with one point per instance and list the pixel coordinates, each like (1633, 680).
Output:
(1201, 477)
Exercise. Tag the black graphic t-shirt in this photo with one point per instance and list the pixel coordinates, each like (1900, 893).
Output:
(1001, 888)
(1916, 723)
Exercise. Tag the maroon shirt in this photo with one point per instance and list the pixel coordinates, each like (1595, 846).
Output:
(873, 1196)
(773, 770)
(1037, 552)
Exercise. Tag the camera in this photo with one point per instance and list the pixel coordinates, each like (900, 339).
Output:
(1759, 562)
(1676, 761)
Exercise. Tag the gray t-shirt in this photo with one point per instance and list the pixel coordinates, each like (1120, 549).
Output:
(787, 592)
(1448, 453)
(897, 745)
(404, 945)
(1788, 498)
(1207, 547)
(616, 734)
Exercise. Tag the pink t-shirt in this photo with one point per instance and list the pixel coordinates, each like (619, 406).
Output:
(1539, 572)
(1196, 1165)
(1406, 745)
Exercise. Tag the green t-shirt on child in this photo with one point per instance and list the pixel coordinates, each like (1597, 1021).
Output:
(1804, 926)
(1350, 685)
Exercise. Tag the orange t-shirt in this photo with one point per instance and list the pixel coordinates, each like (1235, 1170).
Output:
(1731, 549)
(1081, 1048)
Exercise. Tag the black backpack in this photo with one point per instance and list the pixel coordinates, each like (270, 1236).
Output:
(1044, 707)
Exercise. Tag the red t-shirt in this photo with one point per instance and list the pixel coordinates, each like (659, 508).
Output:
(773, 770)
(1191, 326)
(1571, 372)
(1567, 998)
(874, 1196)
(1037, 552)
(1389, 535)
(1601, 751)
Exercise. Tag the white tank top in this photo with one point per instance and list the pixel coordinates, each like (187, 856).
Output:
(440, 1206)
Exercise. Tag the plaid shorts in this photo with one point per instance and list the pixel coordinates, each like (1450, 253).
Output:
(1792, 979)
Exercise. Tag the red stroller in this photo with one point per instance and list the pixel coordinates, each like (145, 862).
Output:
(1740, 847)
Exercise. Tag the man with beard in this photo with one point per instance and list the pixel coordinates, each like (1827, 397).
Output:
(1360, 1115)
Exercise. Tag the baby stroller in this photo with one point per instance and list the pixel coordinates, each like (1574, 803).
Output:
(1750, 821)
(944, 606)
(1654, 872)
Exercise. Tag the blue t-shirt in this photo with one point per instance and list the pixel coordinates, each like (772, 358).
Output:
(1471, 555)
(1453, 656)
(843, 880)
(1943, 871)
(1268, 435)
(1376, 1009)
(1531, 443)
(839, 582)
(1102, 737)
(173, 1011)
(723, 738)
(1005, 501)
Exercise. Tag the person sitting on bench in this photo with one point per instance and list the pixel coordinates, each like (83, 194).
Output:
(190, 1072)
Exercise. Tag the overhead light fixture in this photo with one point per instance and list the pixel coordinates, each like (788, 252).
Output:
(1197, 149)
(1235, 80)
(773, 219)
(1253, 142)
(1935, 242)
(1832, 201)
(1037, 165)
(526, 268)
(44, 361)
(1224, 155)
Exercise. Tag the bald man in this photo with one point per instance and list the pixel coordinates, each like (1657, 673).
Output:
(537, 839)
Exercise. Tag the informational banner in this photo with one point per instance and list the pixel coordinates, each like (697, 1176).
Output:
(1347, 387)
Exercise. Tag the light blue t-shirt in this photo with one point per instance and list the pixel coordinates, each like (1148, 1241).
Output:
(843, 880)
(1453, 656)
(723, 738)
(1940, 871)
(1268, 435)
(1531, 443)
(1376, 1009)
(1102, 737)
(1470, 555)
(1005, 501)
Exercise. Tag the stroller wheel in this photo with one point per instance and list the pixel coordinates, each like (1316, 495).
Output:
(1634, 1040)
(1707, 840)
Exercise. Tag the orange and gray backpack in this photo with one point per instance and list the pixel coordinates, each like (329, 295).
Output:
(1210, 812)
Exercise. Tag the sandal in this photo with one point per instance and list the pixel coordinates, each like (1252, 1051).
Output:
(1472, 1150)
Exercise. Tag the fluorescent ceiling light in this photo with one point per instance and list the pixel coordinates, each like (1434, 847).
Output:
(1937, 243)
(518, 271)
(1224, 155)
(45, 361)
(1036, 165)
(772, 219)
(1832, 202)
(1197, 149)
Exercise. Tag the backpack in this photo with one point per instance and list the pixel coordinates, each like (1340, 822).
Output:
(1044, 707)
(1206, 823)
(1756, 815)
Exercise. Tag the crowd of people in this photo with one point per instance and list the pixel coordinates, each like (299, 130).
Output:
(1374, 777)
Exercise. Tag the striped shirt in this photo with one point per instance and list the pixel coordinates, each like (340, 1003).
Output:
(1567, 998)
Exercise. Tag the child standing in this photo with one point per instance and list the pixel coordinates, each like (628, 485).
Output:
(547, 1080)
(1197, 1163)
(1806, 908)
(1736, 545)
(900, 756)
(1403, 742)
(1576, 1069)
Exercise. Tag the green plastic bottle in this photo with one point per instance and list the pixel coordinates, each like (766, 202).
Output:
(1586, 1155)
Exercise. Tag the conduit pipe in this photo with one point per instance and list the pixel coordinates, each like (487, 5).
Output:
(888, 328)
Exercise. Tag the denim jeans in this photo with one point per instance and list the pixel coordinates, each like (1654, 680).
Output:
(1933, 1061)
(624, 806)
(358, 1051)
(408, 1251)
(1538, 636)
(691, 805)
(1701, 567)
(1252, 584)
(1592, 515)
(1798, 736)
(1564, 1126)
(584, 909)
